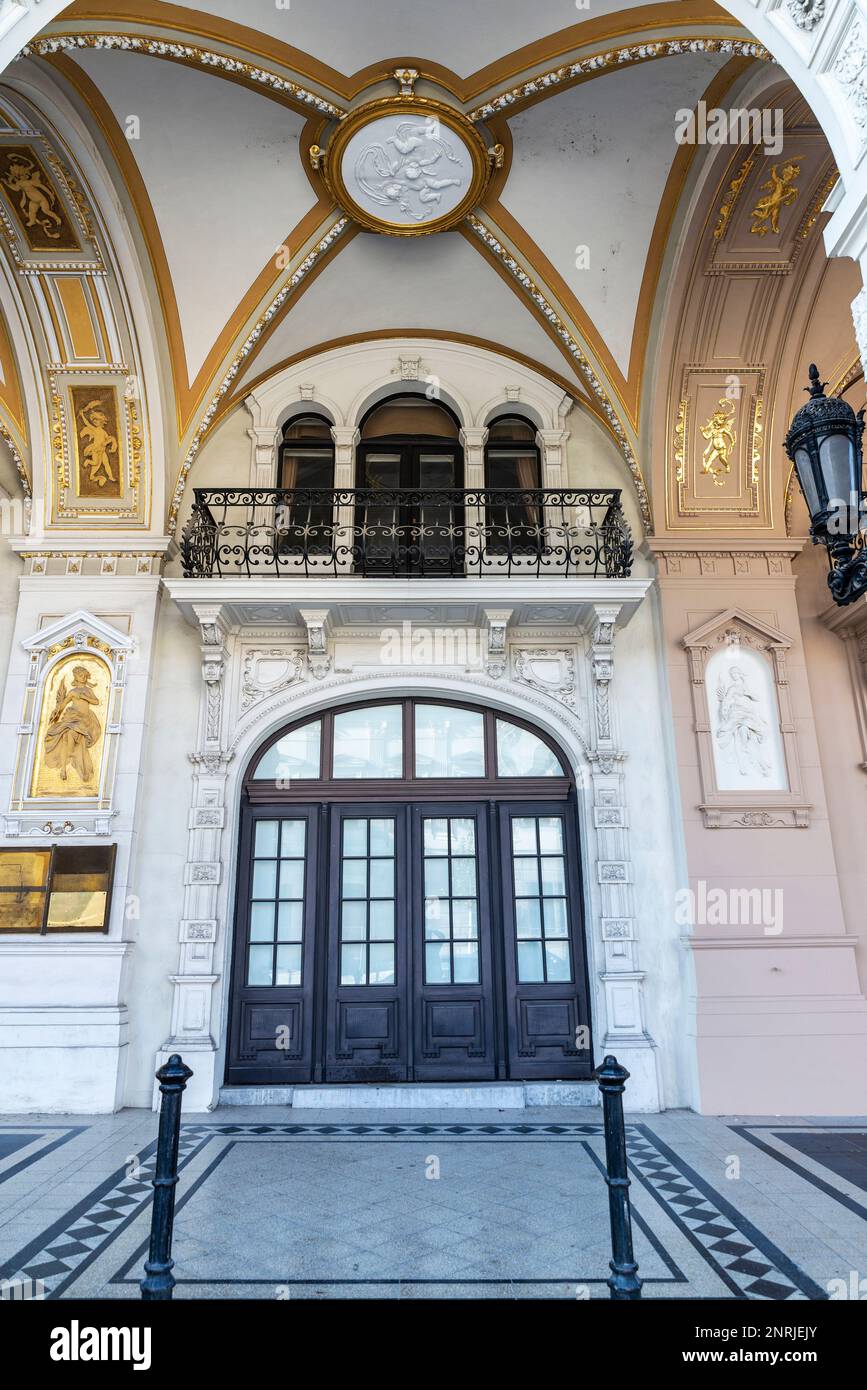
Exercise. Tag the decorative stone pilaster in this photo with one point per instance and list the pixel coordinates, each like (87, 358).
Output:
(621, 977)
(316, 621)
(346, 439)
(263, 457)
(195, 978)
(497, 659)
(473, 441)
(552, 447)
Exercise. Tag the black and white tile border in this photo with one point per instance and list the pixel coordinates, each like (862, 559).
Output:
(750, 1265)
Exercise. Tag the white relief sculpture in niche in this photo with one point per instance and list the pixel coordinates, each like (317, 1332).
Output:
(406, 169)
(744, 721)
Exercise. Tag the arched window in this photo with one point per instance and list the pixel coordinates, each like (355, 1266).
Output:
(306, 470)
(408, 901)
(513, 466)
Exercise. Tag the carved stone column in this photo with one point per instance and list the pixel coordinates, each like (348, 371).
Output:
(621, 977)
(196, 977)
(346, 439)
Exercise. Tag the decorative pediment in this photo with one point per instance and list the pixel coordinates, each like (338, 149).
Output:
(78, 631)
(735, 619)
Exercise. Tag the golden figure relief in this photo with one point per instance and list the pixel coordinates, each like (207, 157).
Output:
(96, 441)
(71, 729)
(35, 201)
(721, 440)
(780, 193)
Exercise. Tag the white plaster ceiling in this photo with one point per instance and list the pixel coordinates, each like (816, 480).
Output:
(589, 169)
(463, 35)
(439, 283)
(223, 173)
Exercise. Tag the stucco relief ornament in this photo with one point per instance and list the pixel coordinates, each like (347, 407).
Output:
(743, 729)
(850, 70)
(859, 314)
(806, 13)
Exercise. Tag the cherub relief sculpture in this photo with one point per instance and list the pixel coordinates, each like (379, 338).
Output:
(742, 730)
(36, 198)
(721, 439)
(99, 443)
(413, 178)
(73, 728)
(780, 193)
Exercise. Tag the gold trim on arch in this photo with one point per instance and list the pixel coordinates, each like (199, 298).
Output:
(189, 396)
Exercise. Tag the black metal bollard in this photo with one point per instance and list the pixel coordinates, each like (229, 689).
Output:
(159, 1280)
(624, 1282)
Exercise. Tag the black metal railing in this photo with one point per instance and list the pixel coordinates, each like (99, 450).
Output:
(405, 533)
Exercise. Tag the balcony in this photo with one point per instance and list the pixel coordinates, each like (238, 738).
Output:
(465, 533)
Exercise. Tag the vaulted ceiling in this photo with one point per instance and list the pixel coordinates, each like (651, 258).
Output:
(204, 116)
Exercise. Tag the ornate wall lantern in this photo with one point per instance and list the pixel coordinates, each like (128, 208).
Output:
(824, 444)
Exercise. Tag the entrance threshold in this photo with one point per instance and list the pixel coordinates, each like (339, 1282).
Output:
(419, 1095)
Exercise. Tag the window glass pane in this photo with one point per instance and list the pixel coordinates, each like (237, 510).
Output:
(293, 839)
(382, 837)
(436, 919)
(556, 922)
(288, 965)
(296, 755)
(436, 878)
(530, 962)
(355, 878)
(266, 839)
(553, 877)
(262, 922)
(260, 968)
(449, 742)
(369, 742)
(289, 922)
(463, 836)
(355, 837)
(354, 925)
(550, 835)
(524, 835)
(526, 878)
(382, 920)
(465, 922)
(437, 964)
(352, 965)
(292, 878)
(264, 878)
(557, 959)
(522, 754)
(436, 836)
(466, 962)
(528, 922)
(382, 878)
(381, 965)
(463, 878)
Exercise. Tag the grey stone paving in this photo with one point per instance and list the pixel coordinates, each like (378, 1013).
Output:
(279, 1203)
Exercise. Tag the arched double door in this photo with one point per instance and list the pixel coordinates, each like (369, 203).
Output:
(408, 902)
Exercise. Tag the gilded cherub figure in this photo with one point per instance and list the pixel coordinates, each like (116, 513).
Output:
(99, 443)
(780, 193)
(36, 198)
(721, 439)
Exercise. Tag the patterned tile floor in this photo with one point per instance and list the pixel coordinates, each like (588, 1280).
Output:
(435, 1204)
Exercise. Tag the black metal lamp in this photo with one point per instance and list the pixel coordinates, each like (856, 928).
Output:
(824, 444)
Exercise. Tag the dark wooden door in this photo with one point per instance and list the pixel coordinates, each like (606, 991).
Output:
(406, 528)
(271, 1029)
(395, 940)
(368, 945)
(453, 994)
(547, 1001)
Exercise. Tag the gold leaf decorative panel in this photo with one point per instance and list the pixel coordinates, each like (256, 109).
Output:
(72, 726)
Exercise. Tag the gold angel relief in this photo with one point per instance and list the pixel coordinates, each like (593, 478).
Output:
(721, 440)
(780, 192)
(71, 729)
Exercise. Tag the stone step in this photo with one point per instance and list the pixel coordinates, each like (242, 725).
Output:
(418, 1095)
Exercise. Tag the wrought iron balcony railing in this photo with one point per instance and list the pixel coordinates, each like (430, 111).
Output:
(406, 533)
